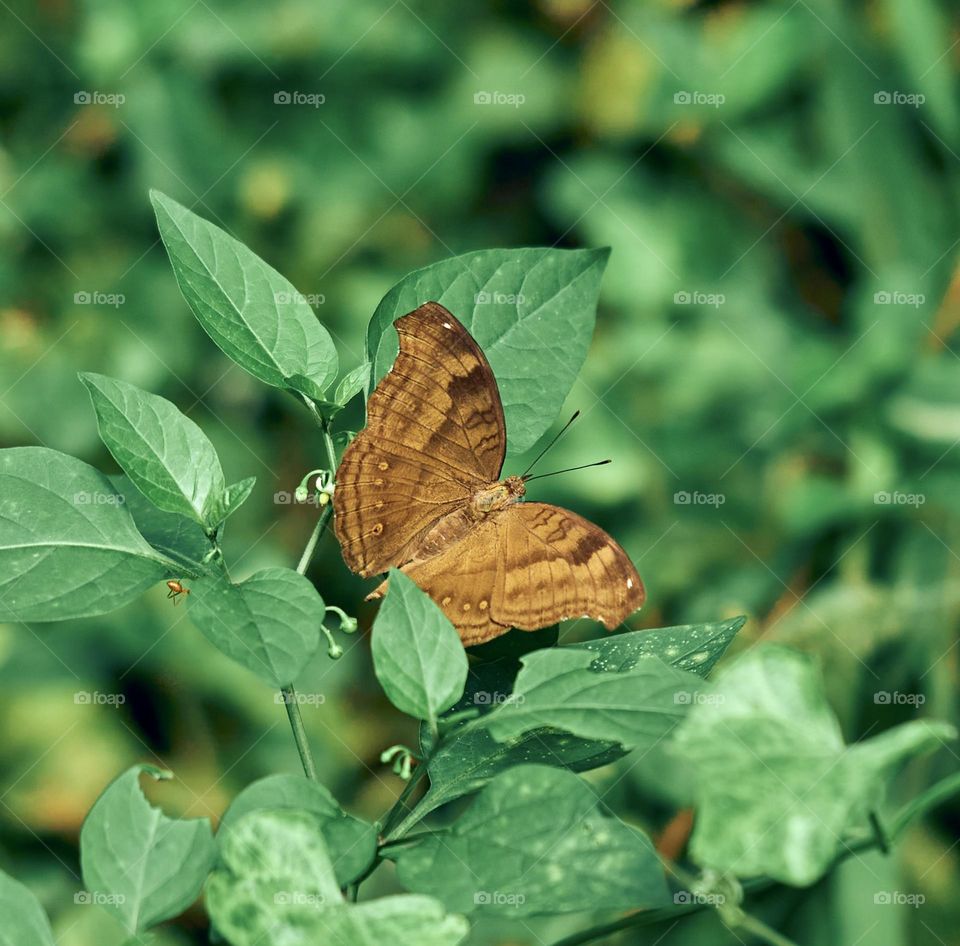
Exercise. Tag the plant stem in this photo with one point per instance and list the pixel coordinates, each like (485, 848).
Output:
(299, 733)
(314, 539)
(398, 805)
(752, 924)
(289, 693)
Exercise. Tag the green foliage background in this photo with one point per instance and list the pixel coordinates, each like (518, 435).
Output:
(778, 328)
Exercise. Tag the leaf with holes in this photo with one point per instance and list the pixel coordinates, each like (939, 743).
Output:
(146, 866)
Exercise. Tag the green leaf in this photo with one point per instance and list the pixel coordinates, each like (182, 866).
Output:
(24, 922)
(559, 688)
(165, 454)
(270, 623)
(278, 885)
(235, 496)
(351, 842)
(148, 866)
(178, 537)
(68, 547)
(776, 788)
(417, 654)
(253, 313)
(352, 383)
(470, 757)
(535, 841)
(532, 312)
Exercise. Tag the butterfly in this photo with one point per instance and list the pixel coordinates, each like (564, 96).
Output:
(419, 488)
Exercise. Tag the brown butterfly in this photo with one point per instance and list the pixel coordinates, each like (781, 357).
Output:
(419, 489)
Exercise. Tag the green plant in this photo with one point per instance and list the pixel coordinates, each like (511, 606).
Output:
(780, 798)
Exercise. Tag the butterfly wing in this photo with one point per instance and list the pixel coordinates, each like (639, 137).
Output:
(435, 433)
(529, 566)
(461, 580)
(553, 564)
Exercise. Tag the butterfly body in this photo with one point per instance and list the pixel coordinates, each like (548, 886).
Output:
(420, 489)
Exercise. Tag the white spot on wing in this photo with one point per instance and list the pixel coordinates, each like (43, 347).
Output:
(629, 582)
(447, 325)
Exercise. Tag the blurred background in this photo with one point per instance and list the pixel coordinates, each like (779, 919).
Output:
(775, 372)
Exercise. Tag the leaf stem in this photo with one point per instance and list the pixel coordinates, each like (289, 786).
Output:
(299, 733)
(314, 539)
(395, 811)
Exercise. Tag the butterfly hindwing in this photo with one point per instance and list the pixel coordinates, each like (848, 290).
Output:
(553, 565)
(435, 432)
(461, 580)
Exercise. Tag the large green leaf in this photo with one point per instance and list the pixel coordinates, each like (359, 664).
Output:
(776, 788)
(270, 622)
(351, 842)
(68, 547)
(532, 312)
(417, 654)
(470, 757)
(278, 886)
(166, 455)
(178, 537)
(559, 688)
(535, 841)
(146, 866)
(24, 922)
(253, 313)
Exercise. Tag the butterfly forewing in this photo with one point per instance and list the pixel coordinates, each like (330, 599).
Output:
(434, 434)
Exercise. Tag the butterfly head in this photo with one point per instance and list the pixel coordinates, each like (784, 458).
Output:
(516, 486)
(498, 495)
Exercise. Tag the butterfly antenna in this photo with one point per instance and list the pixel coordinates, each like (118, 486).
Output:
(586, 466)
(526, 475)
